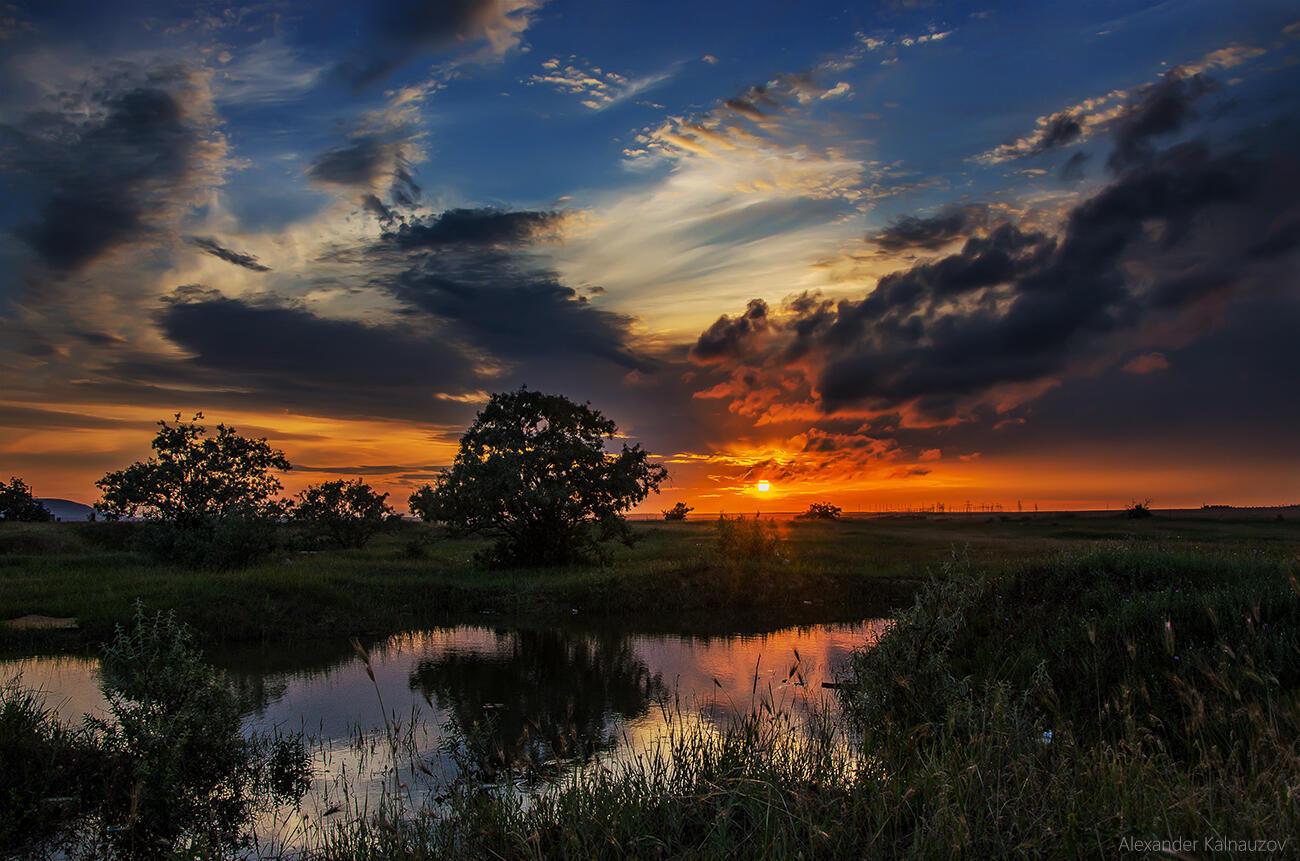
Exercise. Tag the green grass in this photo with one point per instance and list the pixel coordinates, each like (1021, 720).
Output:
(671, 578)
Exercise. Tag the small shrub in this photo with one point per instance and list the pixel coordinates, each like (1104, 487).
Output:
(822, 511)
(678, 512)
(1138, 510)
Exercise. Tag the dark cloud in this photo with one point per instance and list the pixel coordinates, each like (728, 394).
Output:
(930, 233)
(727, 337)
(399, 31)
(360, 163)
(1161, 109)
(1061, 130)
(473, 227)
(112, 168)
(1018, 307)
(216, 249)
(516, 311)
(1072, 170)
(288, 355)
(745, 108)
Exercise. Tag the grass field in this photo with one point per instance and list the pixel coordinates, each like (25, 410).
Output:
(674, 577)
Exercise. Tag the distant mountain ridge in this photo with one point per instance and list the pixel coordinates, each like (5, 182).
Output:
(66, 509)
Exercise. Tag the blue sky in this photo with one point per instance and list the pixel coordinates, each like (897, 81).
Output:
(581, 195)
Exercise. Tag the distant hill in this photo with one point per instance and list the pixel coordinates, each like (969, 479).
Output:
(66, 509)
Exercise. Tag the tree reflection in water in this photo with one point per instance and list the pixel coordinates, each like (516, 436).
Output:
(544, 698)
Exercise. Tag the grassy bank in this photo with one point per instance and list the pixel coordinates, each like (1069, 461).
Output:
(675, 576)
(1083, 706)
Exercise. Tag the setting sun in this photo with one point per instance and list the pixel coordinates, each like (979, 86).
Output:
(764, 486)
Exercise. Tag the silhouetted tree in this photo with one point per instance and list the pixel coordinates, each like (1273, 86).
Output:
(532, 470)
(349, 512)
(822, 511)
(18, 506)
(193, 478)
(678, 511)
(213, 500)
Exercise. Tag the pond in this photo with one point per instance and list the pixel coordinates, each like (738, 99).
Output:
(546, 697)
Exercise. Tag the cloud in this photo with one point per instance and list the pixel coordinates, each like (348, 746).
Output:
(839, 90)
(930, 233)
(1161, 109)
(596, 88)
(726, 338)
(364, 162)
(1147, 363)
(1072, 169)
(287, 355)
(516, 312)
(269, 72)
(401, 31)
(1072, 125)
(475, 227)
(1000, 322)
(1138, 113)
(216, 249)
(116, 166)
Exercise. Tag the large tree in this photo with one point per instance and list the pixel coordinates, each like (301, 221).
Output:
(17, 504)
(195, 479)
(533, 470)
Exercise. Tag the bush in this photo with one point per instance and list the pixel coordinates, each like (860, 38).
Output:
(49, 768)
(677, 512)
(220, 544)
(348, 512)
(181, 768)
(1138, 510)
(822, 511)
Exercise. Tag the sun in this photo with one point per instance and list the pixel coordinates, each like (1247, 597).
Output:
(764, 486)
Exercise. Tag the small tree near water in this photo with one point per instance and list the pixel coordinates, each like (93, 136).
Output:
(533, 472)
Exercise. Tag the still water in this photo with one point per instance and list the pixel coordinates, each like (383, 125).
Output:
(550, 696)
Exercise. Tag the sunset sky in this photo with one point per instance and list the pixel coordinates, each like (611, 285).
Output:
(890, 253)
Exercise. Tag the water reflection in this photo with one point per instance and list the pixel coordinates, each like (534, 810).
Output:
(539, 696)
(506, 696)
